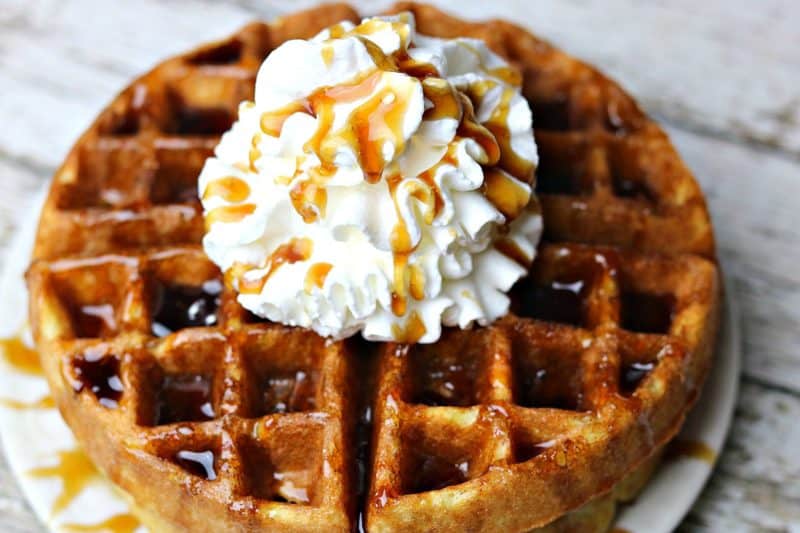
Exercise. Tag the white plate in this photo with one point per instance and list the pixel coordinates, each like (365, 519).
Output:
(36, 439)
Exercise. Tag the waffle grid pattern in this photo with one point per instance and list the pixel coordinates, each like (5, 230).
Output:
(254, 408)
(526, 390)
(249, 425)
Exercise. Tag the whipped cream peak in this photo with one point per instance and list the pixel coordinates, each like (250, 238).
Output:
(379, 182)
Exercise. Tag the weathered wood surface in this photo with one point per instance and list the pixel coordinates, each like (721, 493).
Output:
(724, 76)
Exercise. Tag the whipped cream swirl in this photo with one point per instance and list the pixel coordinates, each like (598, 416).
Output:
(380, 182)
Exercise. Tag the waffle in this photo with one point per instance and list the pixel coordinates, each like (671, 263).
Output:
(211, 419)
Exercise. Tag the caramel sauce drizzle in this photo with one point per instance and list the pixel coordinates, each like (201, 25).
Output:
(400, 242)
(296, 249)
(310, 199)
(507, 194)
(316, 275)
(327, 54)
(271, 122)
(337, 31)
(254, 153)
(416, 282)
(22, 358)
(445, 101)
(413, 330)
(518, 167)
(75, 471)
(26, 361)
(229, 213)
(120, 523)
(510, 249)
(230, 188)
(507, 74)
(469, 127)
(370, 125)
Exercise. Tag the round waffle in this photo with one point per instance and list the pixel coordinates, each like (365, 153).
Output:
(213, 420)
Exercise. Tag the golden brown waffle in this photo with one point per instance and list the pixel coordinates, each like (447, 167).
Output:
(212, 420)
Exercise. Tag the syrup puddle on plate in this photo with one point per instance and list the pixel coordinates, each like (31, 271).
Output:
(75, 471)
(20, 356)
(692, 449)
(25, 360)
(119, 523)
(73, 468)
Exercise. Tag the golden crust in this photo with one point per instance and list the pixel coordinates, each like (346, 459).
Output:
(544, 420)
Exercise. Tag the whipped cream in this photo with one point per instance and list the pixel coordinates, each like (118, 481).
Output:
(380, 182)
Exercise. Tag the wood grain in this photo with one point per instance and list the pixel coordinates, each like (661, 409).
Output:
(722, 75)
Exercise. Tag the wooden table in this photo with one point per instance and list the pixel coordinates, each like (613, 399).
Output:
(723, 76)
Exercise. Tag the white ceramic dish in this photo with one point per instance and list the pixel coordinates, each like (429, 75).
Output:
(36, 439)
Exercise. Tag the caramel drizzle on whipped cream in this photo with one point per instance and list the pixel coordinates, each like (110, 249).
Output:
(378, 118)
(252, 281)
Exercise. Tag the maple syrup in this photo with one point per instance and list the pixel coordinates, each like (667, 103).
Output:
(101, 376)
(557, 301)
(427, 472)
(632, 375)
(255, 458)
(197, 463)
(693, 449)
(91, 321)
(286, 488)
(184, 398)
(289, 394)
(177, 307)
(539, 386)
(442, 380)
(364, 383)
(646, 313)
(525, 450)
(632, 188)
(74, 470)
